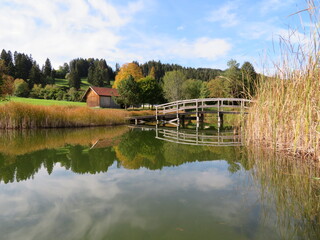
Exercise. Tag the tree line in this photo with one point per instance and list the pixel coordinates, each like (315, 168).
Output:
(151, 82)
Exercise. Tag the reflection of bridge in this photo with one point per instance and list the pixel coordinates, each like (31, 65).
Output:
(199, 138)
(177, 112)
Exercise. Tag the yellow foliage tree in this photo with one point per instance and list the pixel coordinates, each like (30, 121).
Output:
(125, 71)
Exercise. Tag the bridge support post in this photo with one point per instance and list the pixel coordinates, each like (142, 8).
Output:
(183, 121)
(220, 120)
(201, 120)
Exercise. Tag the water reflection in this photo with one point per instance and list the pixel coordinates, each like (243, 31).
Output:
(75, 184)
(95, 150)
(199, 138)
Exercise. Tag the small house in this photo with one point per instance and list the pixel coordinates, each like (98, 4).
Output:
(101, 97)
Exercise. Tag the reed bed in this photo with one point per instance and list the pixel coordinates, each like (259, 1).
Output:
(292, 186)
(286, 112)
(26, 116)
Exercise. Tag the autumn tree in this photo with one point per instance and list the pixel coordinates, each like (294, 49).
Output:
(128, 69)
(172, 85)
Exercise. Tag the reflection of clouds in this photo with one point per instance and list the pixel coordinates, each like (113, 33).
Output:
(71, 206)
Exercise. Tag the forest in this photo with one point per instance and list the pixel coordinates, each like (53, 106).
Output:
(151, 82)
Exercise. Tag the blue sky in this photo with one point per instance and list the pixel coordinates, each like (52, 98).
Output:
(203, 33)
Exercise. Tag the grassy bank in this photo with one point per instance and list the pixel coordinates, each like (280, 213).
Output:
(286, 113)
(19, 116)
(43, 102)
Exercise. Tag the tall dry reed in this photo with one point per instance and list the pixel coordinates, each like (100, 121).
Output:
(286, 112)
(25, 116)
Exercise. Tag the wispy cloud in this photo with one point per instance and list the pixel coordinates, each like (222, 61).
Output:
(268, 6)
(225, 15)
(65, 29)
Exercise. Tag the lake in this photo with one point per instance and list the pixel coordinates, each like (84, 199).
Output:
(139, 183)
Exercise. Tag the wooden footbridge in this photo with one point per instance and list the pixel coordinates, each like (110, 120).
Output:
(198, 138)
(175, 113)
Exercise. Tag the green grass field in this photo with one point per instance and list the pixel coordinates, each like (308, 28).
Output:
(61, 82)
(43, 102)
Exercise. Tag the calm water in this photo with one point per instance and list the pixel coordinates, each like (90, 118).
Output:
(121, 183)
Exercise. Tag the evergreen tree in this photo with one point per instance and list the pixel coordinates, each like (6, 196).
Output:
(47, 69)
(249, 79)
(74, 79)
(7, 58)
(23, 65)
(35, 76)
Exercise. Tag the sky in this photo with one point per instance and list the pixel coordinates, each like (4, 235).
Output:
(202, 33)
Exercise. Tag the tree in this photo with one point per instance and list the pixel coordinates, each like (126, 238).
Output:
(7, 58)
(128, 69)
(219, 87)
(172, 85)
(7, 87)
(129, 91)
(100, 73)
(249, 80)
(35, 76)
(233, 75)
(23, 65)
(74, 79)
(204, 91)
(191, 88)
(21, 88)
(151, 91)
(47, 69)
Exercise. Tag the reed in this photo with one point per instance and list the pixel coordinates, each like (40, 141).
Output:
(292, 186)
(25, 116)
(286, 112)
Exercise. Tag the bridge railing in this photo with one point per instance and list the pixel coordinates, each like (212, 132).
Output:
(197, 138)
(202, 104)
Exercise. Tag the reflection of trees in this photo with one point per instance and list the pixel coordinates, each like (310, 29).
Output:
(293, 186)
(77, 158)
(134, 150)
(26, 141)
(141, 149)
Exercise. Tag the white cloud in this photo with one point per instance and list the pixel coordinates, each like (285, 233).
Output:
(62, 30)
(206, 48)
(167, 49)
(225, 15)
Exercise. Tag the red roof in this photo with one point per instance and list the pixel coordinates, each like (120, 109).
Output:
(101, 91)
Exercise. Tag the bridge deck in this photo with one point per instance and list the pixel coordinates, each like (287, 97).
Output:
(174, 115)
(194, 109)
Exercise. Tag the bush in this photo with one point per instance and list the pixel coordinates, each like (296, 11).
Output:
(21, 88)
